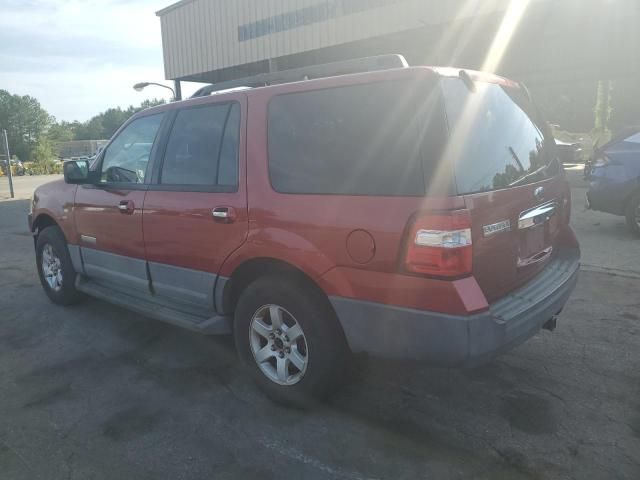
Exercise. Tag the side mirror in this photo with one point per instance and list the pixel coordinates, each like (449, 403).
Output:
(76, 172)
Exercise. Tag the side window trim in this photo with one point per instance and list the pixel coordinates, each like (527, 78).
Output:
(152, 155)
(155, 184)
(158, 159)
(222, 138)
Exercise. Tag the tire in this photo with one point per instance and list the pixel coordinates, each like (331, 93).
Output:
(315, 362)
(633, 213)
(52, 246)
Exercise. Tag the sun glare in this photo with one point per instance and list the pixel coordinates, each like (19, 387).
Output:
(510, 22)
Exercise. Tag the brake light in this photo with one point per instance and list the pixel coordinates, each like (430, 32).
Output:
(440, 245)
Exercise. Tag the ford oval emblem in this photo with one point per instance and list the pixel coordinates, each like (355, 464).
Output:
(539, 193)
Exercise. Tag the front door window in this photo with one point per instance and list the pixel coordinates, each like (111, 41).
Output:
(127, 157)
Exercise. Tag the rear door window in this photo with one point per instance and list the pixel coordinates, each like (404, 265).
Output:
(203, 147)
(356, 140)
(494, 142)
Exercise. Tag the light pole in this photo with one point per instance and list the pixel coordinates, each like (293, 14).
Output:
(9, 174)
(138, 87)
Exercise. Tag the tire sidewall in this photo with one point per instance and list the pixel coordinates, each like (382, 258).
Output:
(631, 213)
(326, 345)
(54, 237)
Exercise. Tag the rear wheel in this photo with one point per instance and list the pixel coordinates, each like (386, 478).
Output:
(289, 338)
(55, 269)
(633, 213)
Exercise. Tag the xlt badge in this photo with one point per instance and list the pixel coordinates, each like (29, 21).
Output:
(495, 228)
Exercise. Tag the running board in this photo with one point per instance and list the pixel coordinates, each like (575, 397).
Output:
(216, 325)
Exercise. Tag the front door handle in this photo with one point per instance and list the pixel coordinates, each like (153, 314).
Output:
(127, 207)
(224, 214)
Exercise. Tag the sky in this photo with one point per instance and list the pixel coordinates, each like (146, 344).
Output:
(81, 57)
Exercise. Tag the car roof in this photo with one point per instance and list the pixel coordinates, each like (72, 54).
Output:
(445, 72)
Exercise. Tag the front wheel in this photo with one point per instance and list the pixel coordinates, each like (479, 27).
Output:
(633, 213)
(55, 269)
(288, 336)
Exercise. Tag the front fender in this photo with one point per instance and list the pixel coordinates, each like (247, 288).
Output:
(55, 200)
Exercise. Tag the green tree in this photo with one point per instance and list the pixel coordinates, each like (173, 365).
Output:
(43, 151)
(91, 130)
(25, 121)
(111, 121)
(603, 112)
(61, 131)
(105, 124)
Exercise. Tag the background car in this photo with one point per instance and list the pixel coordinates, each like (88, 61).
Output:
(613, 173)
(569, 152)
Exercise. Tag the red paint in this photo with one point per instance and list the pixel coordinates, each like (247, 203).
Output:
(314, 233)
(179, 227)
(55, 200)
(495, 257)
(97, 214)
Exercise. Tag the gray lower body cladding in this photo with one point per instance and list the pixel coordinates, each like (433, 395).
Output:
(449, 340)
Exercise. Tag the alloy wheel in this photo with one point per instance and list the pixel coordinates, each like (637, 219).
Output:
(52, 268)
(279, 345)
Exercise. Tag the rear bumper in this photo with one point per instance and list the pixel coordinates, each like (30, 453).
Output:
(451, 340)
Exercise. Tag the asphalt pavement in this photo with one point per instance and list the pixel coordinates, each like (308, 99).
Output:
(96, 392)
(23, 186)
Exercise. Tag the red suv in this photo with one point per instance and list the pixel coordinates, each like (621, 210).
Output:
(415, 213)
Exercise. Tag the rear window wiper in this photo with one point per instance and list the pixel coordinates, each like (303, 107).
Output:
(516, 158)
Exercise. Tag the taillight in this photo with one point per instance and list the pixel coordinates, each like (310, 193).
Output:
(440, 245)
(601, 161)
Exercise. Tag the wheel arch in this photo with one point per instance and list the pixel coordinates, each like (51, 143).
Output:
(254, 268)
(42, 221)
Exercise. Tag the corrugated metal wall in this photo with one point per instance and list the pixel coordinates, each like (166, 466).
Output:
(205, 35)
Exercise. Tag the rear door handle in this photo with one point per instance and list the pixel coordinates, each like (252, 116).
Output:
(224, 214)
(127, 207)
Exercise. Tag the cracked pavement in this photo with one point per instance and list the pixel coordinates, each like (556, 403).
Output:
(96, 392)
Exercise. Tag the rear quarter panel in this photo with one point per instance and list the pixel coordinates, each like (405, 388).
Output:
(311, 231)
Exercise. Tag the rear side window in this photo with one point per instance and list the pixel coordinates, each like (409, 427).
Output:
(356, 140)
(494, 141)
(203, 147)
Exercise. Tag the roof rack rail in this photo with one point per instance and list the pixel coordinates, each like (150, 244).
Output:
(358, 65)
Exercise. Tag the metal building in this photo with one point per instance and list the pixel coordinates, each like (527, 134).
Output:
(210, 40)
(543, 42)
(213, 40)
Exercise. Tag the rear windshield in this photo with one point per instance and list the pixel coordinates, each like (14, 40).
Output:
(373, 139)
(494, 142)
